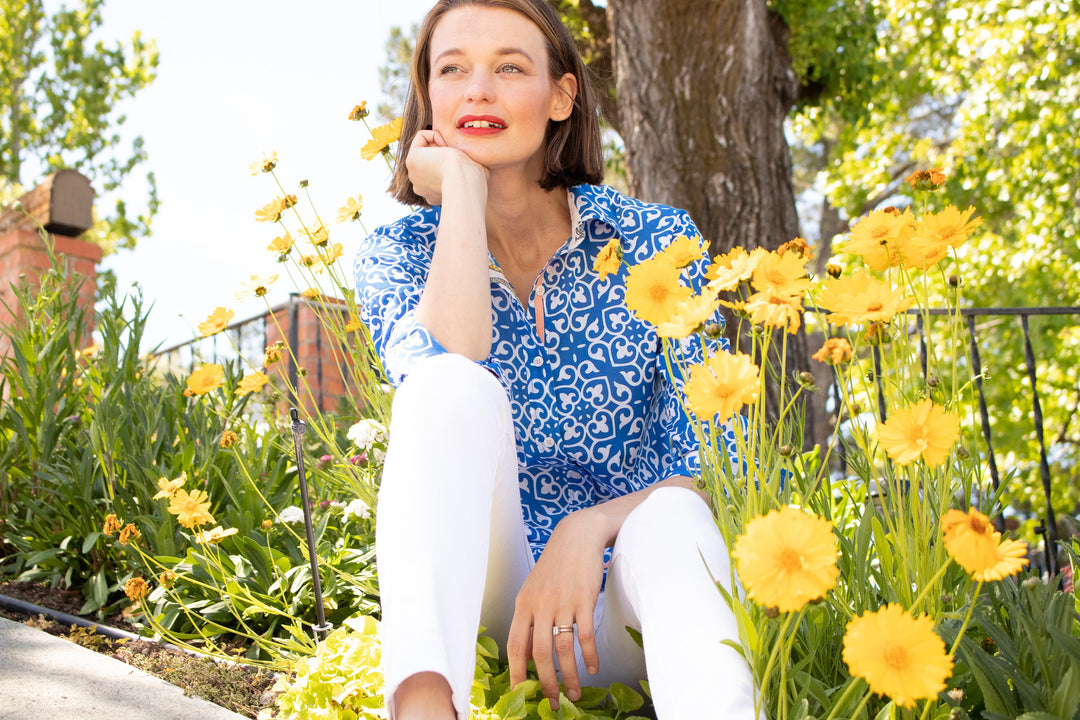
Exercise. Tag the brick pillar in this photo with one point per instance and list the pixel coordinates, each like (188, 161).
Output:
(318, 354)
(63, 204)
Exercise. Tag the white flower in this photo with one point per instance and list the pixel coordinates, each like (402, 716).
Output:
(366, 432)
(292, 515)
(378, 455)
(357, 509)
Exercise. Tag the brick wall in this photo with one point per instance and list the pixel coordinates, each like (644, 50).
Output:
(318, 354)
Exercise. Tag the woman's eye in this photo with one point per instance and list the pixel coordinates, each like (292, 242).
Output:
(508, 68)
(447, 70)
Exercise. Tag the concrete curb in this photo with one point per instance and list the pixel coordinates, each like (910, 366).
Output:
(47, 678)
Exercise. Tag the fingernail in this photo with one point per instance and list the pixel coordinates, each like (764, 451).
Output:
(593, 669)
(575, 695)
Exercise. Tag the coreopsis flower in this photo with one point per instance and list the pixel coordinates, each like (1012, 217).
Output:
(684, 250)
(774, 309)
(359, 112)
(129, 533)
(318, 235)
(310, 293)
(252, 382)
(879, 237)
(973, 543)
(264, 164)
(272, 354)
(333, 253)
(609, 258)
(351, 209)
(899, 656)
(720, 386)
(136, 589)
(228, 439)
(926, 179)
(835, 351)
(938, 232)
(205, 379)
(381, 138)
(214, 536)
(787, 558)
(858, 298)
(353, 324)
(282, 245)
(192, 508)
(167, 578)
(257, 286)
(112, 524)
(267, 524)
(271, 211)
(167, 488)
(367, 432)
(653, 290)
(689, 316)
(799, 246)
(923, 431)
(780, 274)
(732, 268)
(215, 322)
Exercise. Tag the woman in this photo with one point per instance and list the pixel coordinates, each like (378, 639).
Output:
(536, 429)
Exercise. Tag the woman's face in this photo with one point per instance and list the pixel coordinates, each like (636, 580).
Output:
(490, 89)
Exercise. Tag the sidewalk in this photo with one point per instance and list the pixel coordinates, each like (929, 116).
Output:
(47, 678)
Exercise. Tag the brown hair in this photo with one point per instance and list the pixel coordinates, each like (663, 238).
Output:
(572, 148)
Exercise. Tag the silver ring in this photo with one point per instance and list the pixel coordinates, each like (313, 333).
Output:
(561, 629)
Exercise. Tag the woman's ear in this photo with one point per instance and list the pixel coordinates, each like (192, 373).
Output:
(562, 104)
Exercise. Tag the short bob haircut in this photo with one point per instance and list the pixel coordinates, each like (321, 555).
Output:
(573, 154)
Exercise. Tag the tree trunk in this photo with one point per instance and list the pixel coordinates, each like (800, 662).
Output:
(703, 87)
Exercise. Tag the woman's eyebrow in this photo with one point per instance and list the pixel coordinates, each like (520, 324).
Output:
(498, 51)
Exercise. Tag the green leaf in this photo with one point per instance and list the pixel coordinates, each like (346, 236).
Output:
(89, 541)
(625, 698)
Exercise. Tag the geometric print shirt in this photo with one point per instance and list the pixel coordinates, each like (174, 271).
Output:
(596, 405)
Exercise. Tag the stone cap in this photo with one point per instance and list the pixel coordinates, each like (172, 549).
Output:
(63, 202)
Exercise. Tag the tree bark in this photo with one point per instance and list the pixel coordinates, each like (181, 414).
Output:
(703, 87)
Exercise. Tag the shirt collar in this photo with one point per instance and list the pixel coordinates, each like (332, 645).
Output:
(589, 203)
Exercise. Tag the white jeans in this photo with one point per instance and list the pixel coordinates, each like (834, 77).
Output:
(452, 555)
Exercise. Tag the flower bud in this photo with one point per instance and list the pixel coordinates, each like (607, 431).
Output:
(806, 379)
(855, 408)
(933, 381)
(962, 452)
(267, 524)
(304, 183)
(955, 281)
(785, 450)
(17, 206)
(772, 612)
(712, 331)
(834, 270)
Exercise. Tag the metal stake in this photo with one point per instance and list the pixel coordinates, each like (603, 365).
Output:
(298, 430)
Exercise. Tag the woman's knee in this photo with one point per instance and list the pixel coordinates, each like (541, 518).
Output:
(448, 384)
(670, 523)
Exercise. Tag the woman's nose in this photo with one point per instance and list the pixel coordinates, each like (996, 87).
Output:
(480, 88)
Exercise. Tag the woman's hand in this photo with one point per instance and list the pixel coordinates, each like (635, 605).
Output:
(431, 162)
(560, 591)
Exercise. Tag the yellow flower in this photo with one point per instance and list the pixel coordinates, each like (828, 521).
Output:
(926, 179)
(688, 316)
(683, 250)
(653, 290)
(112, 524)
(318, 235)
(267, 524)
(799, 246)
(228, 439)
(281, 245)
(359, 112)
(216, 322)
(333, 253)
(136, 589)
(353, 325)
(773, 309)
(206, 379)
(835, 351)
(128, 533)
(191, 509)
(924, 430)
(859, 298)
(730, 269)
(167, 578)
(973, 543)
(938, 232)
(264, 164)
(781, 274)
(381, 137)
(167, 488)
(257, 286)
(879, 237)
(272, 354)
(609, 258)
(271, 212)
(310, 293)
(351, 209)
(787, 558)
(898, 656)
(721, 385)
(251, 383)
(215, 535)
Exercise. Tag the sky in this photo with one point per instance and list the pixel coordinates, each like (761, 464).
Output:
(238, 78)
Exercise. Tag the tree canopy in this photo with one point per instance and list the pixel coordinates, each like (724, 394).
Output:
(61, 105)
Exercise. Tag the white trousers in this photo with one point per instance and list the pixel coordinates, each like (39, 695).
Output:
(452, 555)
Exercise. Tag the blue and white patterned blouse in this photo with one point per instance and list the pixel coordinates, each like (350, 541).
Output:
(596, 410)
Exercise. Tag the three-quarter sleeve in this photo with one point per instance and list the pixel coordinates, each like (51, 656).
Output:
(391, 267)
